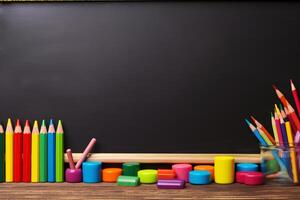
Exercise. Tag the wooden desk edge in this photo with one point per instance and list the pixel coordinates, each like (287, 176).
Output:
(164, 158)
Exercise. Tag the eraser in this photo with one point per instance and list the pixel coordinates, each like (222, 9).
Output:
(170, 184)
(130, 168)
(209, 168)
(182, 171)
(254, 178)
(224, 169)
(200, 177)
(111, 174)
(91, 172)
(147, 175)
(163, 174)
(240, 177)
(128, 181)
(247, 167)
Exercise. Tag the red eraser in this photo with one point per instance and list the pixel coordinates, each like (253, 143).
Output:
(254, 178)
(240, 176)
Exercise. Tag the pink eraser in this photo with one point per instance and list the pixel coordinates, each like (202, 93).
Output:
(182, 171)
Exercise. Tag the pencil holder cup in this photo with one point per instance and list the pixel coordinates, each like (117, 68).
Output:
(281, 164)
(73, 175)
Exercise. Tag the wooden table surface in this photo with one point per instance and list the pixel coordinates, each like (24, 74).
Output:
(109, 191)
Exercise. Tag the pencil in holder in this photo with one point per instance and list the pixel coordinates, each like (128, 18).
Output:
(281, 163)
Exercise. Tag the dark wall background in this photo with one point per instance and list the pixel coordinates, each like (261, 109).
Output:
(148, 76)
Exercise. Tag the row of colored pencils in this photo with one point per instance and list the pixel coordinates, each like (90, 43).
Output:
(36, 156)
(286, 131)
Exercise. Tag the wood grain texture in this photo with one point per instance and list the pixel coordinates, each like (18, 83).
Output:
(164, 157)
(109, 191)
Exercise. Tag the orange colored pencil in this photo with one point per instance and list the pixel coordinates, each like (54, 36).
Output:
(281, 97)
(260, 126)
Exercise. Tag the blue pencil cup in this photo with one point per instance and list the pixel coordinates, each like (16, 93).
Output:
(91, 172)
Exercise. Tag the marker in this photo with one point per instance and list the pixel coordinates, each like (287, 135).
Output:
(51, 152)
(43, 153)
(85, 153)
(18, 137)
(27, 153)
(59, 153)
(9, 145)
(35, 153)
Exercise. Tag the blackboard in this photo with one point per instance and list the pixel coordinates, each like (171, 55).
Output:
(149, 76)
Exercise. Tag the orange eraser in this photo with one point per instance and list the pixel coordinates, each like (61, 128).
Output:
(111, 174)
(209, 168)
(165, 174)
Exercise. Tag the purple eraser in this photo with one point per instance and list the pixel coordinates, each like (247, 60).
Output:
(170, 184)
(73, 175)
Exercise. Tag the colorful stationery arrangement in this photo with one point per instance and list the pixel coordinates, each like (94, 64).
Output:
(286, 131)
(37, 155)
(31, 156)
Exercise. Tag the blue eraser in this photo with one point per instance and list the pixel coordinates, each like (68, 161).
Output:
(199, 177)
(91, 172)
(246, 167)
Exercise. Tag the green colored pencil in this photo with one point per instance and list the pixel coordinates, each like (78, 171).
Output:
(43, 153)
(59, 153)
(2, 178)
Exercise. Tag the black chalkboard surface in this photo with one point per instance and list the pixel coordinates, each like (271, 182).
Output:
(148, 76)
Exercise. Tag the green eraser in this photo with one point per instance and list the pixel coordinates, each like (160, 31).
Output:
(131, 168)
(128, 181)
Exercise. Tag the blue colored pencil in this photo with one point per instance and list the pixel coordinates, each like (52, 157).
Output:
(51, 152)
(256, 133)
(265, 144)
(283, 132)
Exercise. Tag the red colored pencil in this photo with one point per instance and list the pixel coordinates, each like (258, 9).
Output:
(17, 159)
(296, 97)
(281, 97)
(294, 117)
(259, 125)
(27, 153)
(294, 129)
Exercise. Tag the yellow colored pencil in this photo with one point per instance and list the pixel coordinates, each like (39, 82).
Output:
(35, 169)
(9, 145)
(274, 129)
(292, 152)
(277, 110)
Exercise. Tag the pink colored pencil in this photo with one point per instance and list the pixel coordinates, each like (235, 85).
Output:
(70, 159)
(277, 124)
(85, 153)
